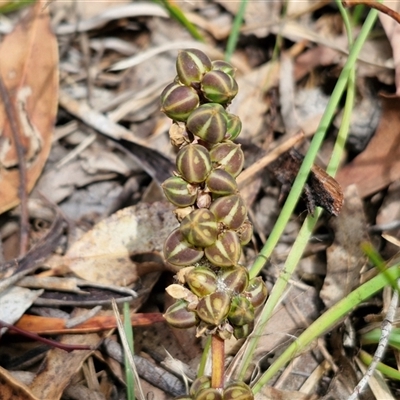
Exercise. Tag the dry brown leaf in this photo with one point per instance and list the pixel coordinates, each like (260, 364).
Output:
(379, 164)
(59, 367)
(56, 326)
(29, 59)
(103, 255)
(13, 389)
(345, 257)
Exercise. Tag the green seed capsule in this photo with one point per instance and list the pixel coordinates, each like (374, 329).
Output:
(177, 102)
(238, 391)
(241, 311)
(200, 383)
(234, 280)
(179, 192)
(219, 87)
(200, 228)
(178, 315)
(226, 251)
(228, 156)
(209, 394)
(208, 122)
(221, 65)
(256, 291)
(191, 65)
(202, 281)
(230, 210)
(245, 232)
(241, 332)
(214, 308)
(221, 183)
(233, 126)
(179, 252)
(193, 163)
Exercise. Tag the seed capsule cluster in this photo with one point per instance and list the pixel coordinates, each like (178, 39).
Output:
(201, 390)
(214, 225)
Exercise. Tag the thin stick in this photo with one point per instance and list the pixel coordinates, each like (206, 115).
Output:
(218, 361)
(52, 343)
(23, 195)
(387, 325)
(267, 159)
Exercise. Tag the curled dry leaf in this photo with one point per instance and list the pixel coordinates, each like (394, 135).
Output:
(104, 254)
(28, 68)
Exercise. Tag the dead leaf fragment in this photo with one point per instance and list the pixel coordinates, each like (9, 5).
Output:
(103, 255)
(379, 164)
(59, 367)
(12, 389)
(29, 59)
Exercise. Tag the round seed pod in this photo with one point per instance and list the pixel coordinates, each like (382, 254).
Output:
(233, 126)
(178, 315)
(209, 394)
(245, 232)
(241, 332)
(193, 163)
(221, 65)
(219, 87)
(241, 311)
(213, 308)
(208, 122)
(177, 101)
(191, 65)
(200, 383)
(200, 228)
(235, 279)
(230, 210)
(228, 156)
(226, 251)
(179, 192)
(256, 291)
(202, 281)
(238, 391)
(179, 252)
(221, 183)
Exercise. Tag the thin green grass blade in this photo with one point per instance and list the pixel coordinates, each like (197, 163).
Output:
(383, 368)
(316, 142)
(326, 321)
(175, 12)
(347, 77)
(234, 35)
(378, 261)
(130, 381)
(15, 5)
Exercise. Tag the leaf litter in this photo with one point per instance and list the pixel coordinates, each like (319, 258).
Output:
(110, 152)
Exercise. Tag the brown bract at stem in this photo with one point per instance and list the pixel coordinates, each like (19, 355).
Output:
(374, 4)
(218, 361)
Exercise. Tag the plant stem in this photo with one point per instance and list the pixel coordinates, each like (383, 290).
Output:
(218, 361)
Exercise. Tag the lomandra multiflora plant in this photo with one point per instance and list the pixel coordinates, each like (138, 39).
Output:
(214, 291)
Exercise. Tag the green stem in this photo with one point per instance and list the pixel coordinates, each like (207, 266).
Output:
(346, 78)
